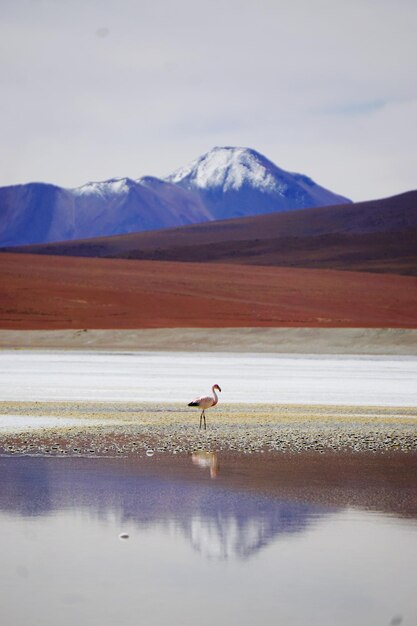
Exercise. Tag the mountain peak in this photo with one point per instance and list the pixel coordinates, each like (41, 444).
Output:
(228, 168)
(236, 181)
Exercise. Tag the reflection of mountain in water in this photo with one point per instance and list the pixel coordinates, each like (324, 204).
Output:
(24, 487)
(219, 522)
(247, 525)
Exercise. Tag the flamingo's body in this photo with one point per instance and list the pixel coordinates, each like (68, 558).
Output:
(206, 402)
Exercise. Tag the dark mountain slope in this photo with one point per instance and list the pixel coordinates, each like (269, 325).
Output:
(377, 236)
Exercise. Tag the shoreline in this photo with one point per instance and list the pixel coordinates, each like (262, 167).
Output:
(318, 341)
(126, 429)
(381, 482)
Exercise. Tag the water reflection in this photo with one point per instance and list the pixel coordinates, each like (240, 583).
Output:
(219, 522)
(206, 459)
(268, 555)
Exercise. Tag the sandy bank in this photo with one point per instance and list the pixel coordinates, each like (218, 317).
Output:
(384, 341)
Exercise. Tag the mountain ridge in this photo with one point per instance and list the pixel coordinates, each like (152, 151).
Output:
(38, 213)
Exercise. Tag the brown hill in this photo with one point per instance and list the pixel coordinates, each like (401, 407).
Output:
(43, 292)
(377, 236)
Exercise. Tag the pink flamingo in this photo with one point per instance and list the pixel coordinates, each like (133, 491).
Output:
(205, 402)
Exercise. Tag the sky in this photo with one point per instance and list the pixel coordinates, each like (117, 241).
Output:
(96, 89)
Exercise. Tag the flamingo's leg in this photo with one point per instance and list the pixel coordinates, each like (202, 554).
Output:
(201, 417)
(205, 427)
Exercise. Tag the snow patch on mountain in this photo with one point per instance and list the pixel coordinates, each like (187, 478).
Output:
(229, 168)
(104, 188)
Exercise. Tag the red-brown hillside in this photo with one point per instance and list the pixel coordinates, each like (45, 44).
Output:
(46, 292)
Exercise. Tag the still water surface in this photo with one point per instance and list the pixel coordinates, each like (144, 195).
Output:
(204, 547)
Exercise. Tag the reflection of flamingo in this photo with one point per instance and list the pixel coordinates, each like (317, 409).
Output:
(205, 402)
(206, 459)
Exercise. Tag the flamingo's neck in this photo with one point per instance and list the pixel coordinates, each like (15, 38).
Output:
(216, 399)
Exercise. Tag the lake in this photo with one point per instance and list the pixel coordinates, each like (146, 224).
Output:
(297, 538)
(210, 540)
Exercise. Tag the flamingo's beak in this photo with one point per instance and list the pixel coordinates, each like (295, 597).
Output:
(218, 388)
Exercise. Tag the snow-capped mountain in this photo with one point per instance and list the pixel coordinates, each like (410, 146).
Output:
(224, 183)
(236, 182)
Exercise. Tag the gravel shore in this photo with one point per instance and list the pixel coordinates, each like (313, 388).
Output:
(117, 429)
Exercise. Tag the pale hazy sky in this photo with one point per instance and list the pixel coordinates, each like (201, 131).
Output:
(92, 89)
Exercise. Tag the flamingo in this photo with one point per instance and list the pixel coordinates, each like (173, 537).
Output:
(205, 402)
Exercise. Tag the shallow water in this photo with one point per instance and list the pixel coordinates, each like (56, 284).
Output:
(210, 540)
(179, 377)
(26, 423)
